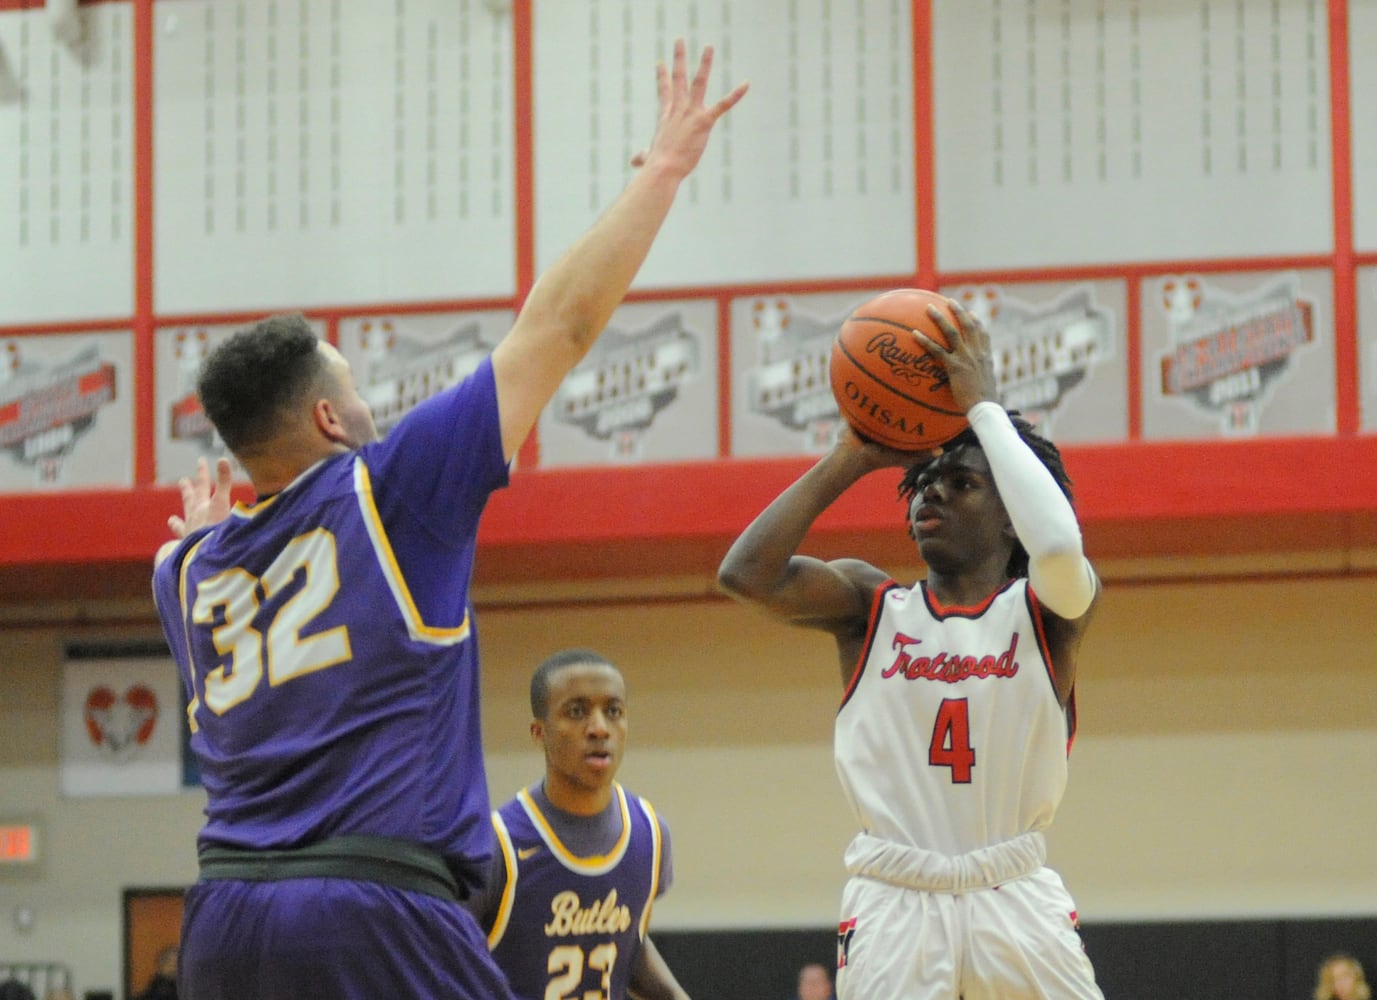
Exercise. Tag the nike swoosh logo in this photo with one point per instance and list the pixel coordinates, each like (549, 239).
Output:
(526, 852)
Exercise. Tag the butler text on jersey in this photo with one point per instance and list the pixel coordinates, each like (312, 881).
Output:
(605, 916)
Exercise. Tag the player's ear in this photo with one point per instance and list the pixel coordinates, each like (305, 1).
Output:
(327, 421)
(538, 731)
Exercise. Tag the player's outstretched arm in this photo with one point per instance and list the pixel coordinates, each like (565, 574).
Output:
(651, 978)
(572, 301)
(763, 566)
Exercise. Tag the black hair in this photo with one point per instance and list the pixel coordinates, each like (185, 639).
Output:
(540, 680)
(1045, 450)
(250, 379)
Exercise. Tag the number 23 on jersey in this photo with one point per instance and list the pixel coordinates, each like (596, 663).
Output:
(566, 965)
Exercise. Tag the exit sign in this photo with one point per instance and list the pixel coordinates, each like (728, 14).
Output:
(18, 843)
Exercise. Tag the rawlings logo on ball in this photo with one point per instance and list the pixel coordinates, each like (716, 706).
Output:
(917, 367)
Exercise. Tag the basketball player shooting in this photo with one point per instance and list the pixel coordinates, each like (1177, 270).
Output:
(959, 704)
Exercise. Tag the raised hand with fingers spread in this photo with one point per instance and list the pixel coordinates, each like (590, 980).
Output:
(204, 502)
(685, 121)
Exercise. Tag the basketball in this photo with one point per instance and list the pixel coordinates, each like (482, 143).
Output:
(889, 389)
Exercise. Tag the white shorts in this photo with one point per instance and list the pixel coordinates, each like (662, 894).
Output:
(1016, 941)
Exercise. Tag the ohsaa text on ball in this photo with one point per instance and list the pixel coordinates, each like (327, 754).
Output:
(882, 414)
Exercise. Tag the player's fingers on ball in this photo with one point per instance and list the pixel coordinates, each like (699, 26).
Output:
(970, 322)
(944, 324)
(938, 351)
(964, 319)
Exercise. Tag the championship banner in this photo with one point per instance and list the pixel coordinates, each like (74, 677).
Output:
(121, 724)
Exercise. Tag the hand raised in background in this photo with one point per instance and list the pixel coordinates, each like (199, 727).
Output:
(204, 502)
(685, 123)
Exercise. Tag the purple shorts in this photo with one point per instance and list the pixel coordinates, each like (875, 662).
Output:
(330, 937)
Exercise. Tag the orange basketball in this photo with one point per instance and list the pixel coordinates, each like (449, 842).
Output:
(889, 389)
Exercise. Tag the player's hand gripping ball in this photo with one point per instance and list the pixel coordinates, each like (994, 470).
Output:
(889, 389)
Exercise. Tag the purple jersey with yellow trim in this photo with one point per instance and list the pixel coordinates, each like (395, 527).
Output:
(327, 643)
(570, 926)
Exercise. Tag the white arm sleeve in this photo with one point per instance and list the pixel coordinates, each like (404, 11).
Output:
(1058, 571)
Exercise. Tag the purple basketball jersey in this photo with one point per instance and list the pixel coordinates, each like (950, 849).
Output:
(326, 641)
(328, 648)
(572, 926)
(325, 637)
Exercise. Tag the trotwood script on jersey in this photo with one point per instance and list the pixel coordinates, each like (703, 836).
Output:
(605, 916)
(946, 666)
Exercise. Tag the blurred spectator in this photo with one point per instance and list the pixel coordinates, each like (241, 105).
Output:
(1340, 977)
(163, 985)
(13, 989)
(814, 982)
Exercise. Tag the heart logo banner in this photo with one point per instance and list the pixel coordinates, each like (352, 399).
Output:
(121, 727)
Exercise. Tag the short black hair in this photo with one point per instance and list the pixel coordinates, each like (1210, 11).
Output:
(249, 380)
(1045, 450)
(540, 680)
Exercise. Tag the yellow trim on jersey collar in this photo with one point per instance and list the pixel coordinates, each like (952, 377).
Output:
(587, 866)
(242, 509)
(260, 504)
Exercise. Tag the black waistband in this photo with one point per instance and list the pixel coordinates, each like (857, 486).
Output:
(398, 863)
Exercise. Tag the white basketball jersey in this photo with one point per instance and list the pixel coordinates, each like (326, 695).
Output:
(950, 736)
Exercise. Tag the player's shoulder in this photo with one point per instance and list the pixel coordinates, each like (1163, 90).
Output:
(865, 579)
(338, 473)
(511, 809)
(860, 573)
(646, 808)
(172, 554)
(473, 394)
(889, 592)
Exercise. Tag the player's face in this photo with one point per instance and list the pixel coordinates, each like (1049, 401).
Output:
(584, 730)
(956, 510)
(353, 412)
